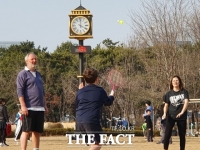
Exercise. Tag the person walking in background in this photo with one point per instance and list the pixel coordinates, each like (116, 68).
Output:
(8, 125)
(18, 123)
(163, 124)
(31, 96)
(148, 107)
(3, 120)
(176, 104)
(149, 126)
(18, 130)
(89, 101)
(125, 124)
(17, 117)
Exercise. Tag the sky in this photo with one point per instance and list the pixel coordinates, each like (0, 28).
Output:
(46, 22)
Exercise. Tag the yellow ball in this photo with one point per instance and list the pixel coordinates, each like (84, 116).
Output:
(120, 21)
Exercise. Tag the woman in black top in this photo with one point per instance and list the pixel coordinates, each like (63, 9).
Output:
(176, 103)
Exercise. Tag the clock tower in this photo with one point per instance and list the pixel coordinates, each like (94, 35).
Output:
(80, 28)
(80, 24)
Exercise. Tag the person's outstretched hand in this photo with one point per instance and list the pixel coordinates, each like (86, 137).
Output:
(81, 85)
(112, 93)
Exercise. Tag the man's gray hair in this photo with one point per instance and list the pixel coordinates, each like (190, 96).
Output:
(26, 57)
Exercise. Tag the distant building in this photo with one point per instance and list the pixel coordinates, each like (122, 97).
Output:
(6, 44)
(179, 43)
(183, 43)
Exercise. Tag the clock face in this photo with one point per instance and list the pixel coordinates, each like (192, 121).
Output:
(80, 25)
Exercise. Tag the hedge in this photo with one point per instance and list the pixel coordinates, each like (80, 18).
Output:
(64, 131)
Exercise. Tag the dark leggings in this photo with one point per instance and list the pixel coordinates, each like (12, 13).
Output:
(181, 124)
(150, 135)
(2, 135)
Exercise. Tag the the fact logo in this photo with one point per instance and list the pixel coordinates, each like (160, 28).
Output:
(104, 139)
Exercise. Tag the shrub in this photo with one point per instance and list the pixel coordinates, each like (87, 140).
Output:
(64, 131)
(52, 125)
(55, 131)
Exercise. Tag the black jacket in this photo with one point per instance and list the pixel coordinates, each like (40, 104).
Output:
(89, 101)
(3, 113)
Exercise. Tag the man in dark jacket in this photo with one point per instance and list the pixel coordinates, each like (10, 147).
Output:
(89, 101)
(3, 120)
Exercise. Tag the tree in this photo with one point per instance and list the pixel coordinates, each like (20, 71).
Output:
(166, 36)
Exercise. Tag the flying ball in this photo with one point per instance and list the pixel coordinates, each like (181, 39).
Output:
(120, 21)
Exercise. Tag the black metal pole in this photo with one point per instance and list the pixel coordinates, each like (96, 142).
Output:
(81, 63)
(80, 79)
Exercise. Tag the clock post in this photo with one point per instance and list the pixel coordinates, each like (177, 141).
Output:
(80, 28)
(80, 78)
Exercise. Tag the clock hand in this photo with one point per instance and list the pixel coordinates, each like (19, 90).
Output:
(80, 25)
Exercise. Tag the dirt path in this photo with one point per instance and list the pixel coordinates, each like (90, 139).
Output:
(139, 143)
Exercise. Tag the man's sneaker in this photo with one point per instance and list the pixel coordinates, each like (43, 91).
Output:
(2, 144)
